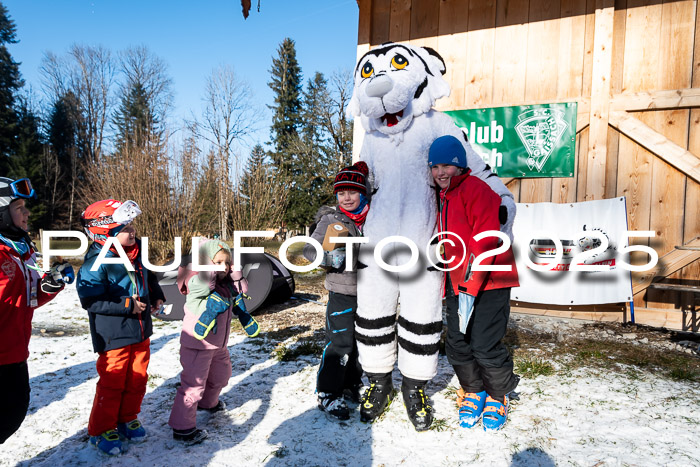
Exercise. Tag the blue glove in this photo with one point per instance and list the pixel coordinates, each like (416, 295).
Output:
(466, 307)
(334, 259)
(216, 304)
(62, 272)
(250, 326)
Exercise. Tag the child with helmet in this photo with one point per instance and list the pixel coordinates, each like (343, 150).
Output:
(22, 290)
(478, 302)
(118, 300)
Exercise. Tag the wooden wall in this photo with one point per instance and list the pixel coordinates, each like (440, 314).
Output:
(501, 52)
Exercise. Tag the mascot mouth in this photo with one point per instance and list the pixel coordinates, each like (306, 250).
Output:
(392, 119)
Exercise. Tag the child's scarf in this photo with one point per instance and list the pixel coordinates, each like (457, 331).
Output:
(359, 215)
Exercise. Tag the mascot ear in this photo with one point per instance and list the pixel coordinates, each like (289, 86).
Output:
(353, 108)
(434, 87)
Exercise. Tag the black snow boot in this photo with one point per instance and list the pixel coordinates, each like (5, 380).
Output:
(376, 397)
(417, 405)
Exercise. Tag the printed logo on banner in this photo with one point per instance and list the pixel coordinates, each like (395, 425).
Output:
(543, 250)
(540, 130)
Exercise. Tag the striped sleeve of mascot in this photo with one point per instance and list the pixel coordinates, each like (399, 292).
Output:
(395, 88)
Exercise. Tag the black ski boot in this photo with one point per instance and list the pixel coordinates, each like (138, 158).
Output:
(417, 405)
(377, 396)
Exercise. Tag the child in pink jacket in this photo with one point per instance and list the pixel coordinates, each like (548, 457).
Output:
(206, 365)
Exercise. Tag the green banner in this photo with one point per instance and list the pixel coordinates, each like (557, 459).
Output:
(523, 141)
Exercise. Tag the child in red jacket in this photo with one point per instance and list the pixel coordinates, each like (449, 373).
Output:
(22, 290)
(478, 302)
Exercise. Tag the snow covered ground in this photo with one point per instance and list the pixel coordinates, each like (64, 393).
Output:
(585, 417)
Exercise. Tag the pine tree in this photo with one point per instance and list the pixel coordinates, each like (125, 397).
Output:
(285, 82)
(64, 161)
(25, 161)
(10, 83)
(135, 121)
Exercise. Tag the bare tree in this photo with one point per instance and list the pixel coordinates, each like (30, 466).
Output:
(145, 94)
(229, 115)
(88, 72)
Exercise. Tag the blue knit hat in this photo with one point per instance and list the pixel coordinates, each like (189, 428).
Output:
(447, 150)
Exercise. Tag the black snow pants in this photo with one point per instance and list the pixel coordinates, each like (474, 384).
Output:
(340, 368)
(481, 361)
(14, 397)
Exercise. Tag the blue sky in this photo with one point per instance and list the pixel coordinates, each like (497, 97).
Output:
(192, 37)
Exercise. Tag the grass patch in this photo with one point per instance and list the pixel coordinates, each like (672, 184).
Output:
(574, 353)
(284, 353)
(683, 374)
(439, 425)
(532, 367)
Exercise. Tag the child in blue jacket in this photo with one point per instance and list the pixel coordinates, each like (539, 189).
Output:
(118, 302)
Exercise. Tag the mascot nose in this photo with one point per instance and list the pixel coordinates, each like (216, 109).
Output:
(379, 86)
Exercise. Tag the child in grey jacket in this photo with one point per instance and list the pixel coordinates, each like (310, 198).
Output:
(340, 373)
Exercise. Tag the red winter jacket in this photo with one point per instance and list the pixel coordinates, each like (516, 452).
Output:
(468, 207)
(16, 280)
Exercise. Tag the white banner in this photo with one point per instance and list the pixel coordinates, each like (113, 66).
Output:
(579, 242)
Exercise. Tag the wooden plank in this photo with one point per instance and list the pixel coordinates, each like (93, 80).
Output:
(676, 287)
(510, 41)
(424, 19)
(691, 223)
(381, 18)
(452, 45)
(618, 57)
(657, 100)
(660, 318)
(640, 74)
(668, 185)
(667, 265)
(572, 44)
(365, 21)
(363, 39)
(600, 99)
(478, 90)
(400, 21)
(685, 161)
(582, 138)
(541, 78)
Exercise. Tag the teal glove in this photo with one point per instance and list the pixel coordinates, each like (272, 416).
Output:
(216, 304)
(466, 307)
(250, 325)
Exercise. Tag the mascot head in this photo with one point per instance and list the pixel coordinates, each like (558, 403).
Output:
(394, 83)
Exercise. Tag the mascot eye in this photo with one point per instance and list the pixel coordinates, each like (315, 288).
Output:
(399, 62)
(367, 70)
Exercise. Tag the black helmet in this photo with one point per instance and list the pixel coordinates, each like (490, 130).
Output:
(11, 190)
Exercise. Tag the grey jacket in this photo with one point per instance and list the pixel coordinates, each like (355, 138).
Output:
(339, 282)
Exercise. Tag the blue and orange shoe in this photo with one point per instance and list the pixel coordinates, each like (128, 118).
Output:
(132, 431)
(108, 443)
(471, 406)
(495, 413)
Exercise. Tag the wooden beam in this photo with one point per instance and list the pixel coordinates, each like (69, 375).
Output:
(600, 99)
(667, 265)
(635, 129)
(659, 100)
(583, 120)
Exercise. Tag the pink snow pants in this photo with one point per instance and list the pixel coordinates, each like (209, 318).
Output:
(204, 374)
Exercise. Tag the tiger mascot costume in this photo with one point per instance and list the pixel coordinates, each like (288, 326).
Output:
(395, 88)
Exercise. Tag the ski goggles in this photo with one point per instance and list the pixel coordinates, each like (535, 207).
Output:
(21, 188)
(126, 213)
(112, 225)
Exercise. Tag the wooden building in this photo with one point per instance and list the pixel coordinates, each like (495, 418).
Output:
(634, 69)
